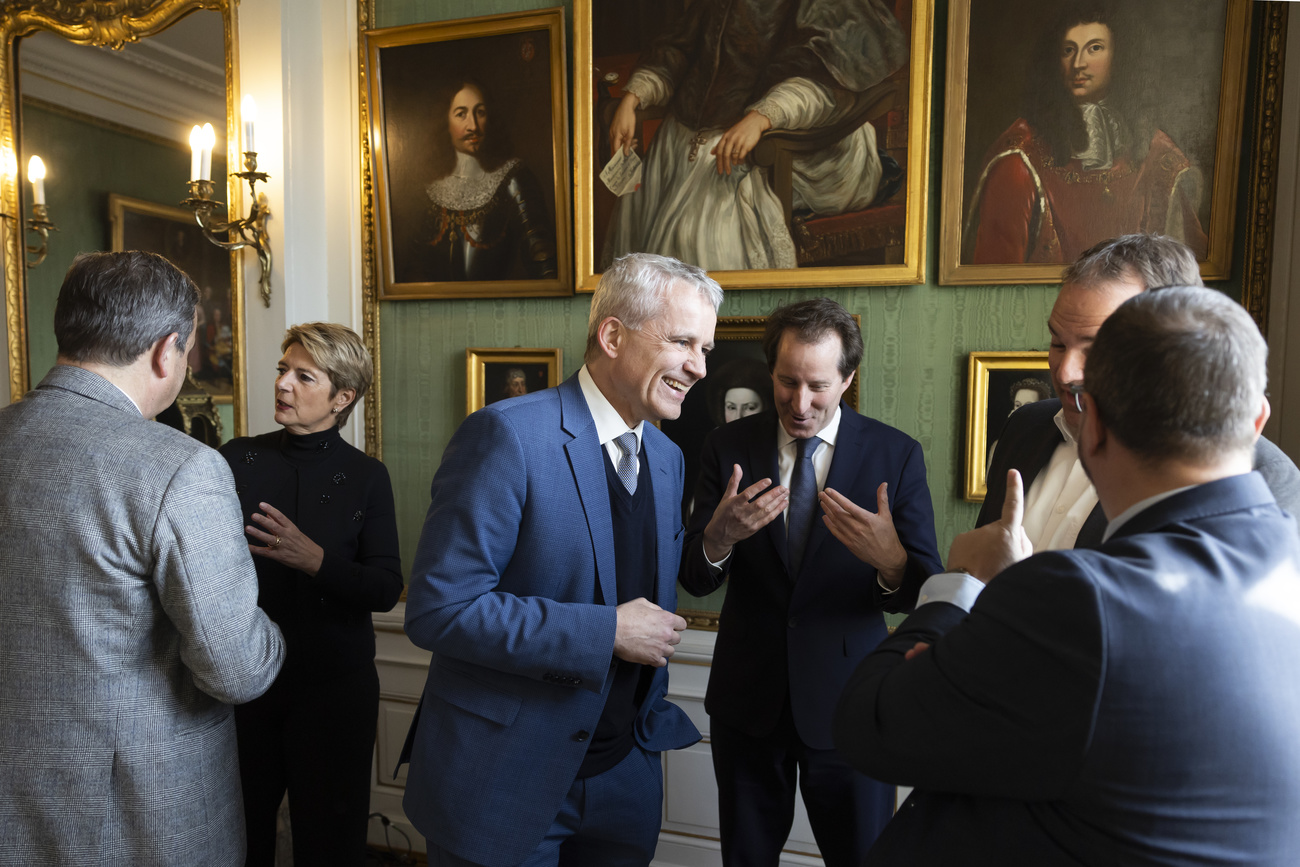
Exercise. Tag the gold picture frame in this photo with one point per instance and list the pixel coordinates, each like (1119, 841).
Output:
(893, 230)
(491, 372)
(1203, 116)
(172, 233)
(737, 361)
(992, 382)
(519, 61)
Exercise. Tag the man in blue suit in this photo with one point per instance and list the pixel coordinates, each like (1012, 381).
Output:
(1131, 704)
(555, 521)
(805, 594)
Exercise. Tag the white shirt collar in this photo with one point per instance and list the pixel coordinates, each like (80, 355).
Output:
(609, 424)
(826, 434)
(1137, 508)
(1059, 418)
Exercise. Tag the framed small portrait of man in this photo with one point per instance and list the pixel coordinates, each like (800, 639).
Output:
(469, 157)
(493, 374)
(1073, 121)
(772, 144)
(997, 384)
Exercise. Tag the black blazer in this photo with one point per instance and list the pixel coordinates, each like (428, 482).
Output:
(1134, 704)
(802, 636)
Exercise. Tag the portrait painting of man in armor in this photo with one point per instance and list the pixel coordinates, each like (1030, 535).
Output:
(1087, 119)
(466, 167)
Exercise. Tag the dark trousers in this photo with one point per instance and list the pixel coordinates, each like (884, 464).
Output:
(316, 742)
(609, 820)
(756, 790)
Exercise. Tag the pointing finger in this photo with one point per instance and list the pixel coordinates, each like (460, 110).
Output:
(1013, 507)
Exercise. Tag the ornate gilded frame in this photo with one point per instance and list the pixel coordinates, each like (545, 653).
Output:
(917, 172)
(478, 358)
(380, 226)
(978, 376)
(110, 24)
(1222, 187)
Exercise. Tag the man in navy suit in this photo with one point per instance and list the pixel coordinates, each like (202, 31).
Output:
(555, 521)
(1039, 439)
(1131, 704)
(805, 594)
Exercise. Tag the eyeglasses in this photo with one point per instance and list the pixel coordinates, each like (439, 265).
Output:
(1075, 390)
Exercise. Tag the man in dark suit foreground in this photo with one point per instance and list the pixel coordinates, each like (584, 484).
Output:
(805, 594)
(1130, 704)
(1039, 439)
(128, 601)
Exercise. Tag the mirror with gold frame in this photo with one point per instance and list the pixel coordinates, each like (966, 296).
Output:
(48, 78)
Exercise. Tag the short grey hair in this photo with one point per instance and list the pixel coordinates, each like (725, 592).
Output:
(113, 306)
(634, 290)
(1156, 261)
(337, 350)
(1179, 374)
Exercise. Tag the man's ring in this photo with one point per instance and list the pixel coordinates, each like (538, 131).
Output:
(276, 543)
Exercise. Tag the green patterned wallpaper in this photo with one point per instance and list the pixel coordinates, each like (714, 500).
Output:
(912, 375)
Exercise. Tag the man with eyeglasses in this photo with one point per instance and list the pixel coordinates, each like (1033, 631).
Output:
(1040, 439)
(1130, 704)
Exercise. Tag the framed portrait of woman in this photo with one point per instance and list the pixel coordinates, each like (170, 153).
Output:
(469, 160)
(1069, 122)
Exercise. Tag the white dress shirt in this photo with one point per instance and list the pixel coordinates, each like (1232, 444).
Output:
(609, 424)
(1061, 497)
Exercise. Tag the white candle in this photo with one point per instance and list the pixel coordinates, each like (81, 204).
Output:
(36, 174)
(250, 119)
(196, 152)
(209, 142)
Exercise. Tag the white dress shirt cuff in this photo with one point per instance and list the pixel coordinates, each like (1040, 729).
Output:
(716, 568)
(957, 588)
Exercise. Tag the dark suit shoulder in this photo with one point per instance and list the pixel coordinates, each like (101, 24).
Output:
(1281, 475)
(880, 433)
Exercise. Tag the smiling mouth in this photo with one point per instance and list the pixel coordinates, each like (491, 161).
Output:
(676, 385)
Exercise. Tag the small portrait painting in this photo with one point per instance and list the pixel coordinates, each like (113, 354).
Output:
(466, 162)
(998, 384)
(1008, 391)
(493, 374)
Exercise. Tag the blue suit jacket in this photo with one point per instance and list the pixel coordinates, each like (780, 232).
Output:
(802, 636)
(503, 591)
(1132, 704)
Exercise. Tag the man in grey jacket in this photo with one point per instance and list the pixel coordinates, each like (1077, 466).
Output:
(128, 602)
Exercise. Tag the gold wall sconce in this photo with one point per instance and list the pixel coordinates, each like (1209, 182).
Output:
(40, 219)
(248, 232)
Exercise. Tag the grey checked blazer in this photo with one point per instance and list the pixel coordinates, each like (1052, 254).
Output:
(128, 624)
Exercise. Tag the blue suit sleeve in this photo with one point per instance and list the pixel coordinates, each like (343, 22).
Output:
(471, 546)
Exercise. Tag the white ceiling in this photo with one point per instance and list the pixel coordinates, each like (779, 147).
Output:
(162, 86)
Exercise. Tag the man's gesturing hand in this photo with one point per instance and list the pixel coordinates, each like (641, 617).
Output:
(870, 536)
(987, 550)
(646, 633)
(736, 518)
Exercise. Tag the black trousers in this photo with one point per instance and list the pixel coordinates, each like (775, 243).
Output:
(315, 741)
(756, 791)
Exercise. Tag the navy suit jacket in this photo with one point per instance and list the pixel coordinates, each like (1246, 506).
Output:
(517, 545)
(801, 636)
(1132, 704)
(1030, 436)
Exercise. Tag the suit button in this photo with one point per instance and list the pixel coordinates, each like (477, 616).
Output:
(581, 736)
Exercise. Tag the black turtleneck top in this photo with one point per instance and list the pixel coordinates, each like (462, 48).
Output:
(343, 500)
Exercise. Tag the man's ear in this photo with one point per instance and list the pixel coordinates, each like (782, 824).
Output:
(1265, 410)
(159, 355)
(611, 334)
(1093, 426)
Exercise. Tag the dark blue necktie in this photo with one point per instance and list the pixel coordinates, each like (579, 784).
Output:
(803, 502)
